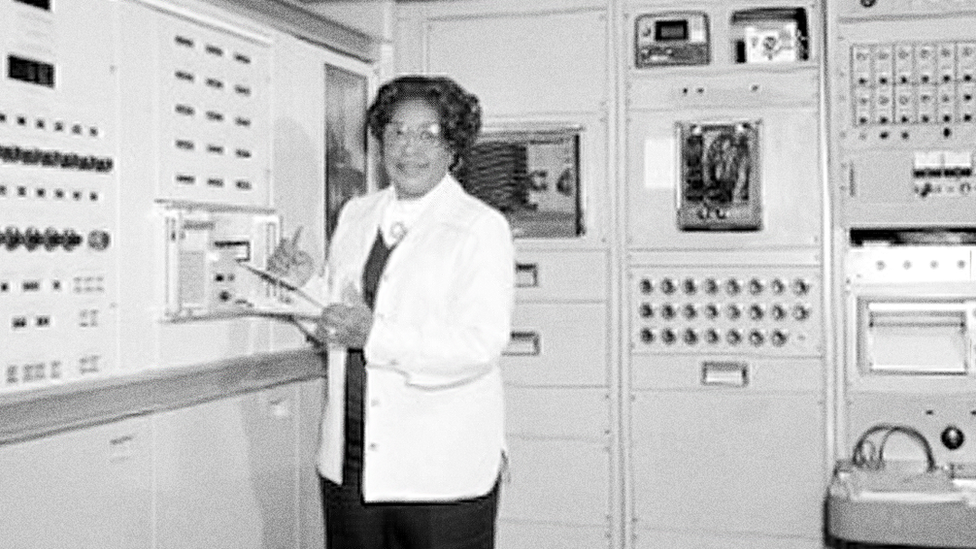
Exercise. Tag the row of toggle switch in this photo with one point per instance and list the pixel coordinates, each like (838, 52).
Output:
(55, 159)
(732, 286)
(713, 336)
(733, 311)
(51, 239)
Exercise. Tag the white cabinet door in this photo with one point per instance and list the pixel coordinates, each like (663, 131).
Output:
(86, 489)
(226, 473)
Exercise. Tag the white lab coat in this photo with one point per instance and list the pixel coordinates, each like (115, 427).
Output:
(434, 418)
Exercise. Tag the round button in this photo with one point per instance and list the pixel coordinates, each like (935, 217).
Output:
(52, 239)
(668, 311)
(689, 311)
(668, 336)
(71, 239)
(711, 311)
(689, 286)
(756, 311)
(733, 311)
(98, 240)
(646, 335)
(690, 336)
(757, 338)
(712, 336)
(733, 337)
(779, 338)
(952, 437)
(646, 311)
(32, 238)
(12, 238)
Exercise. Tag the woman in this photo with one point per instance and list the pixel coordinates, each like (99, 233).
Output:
(420, 279)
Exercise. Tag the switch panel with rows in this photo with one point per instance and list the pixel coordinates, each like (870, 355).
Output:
(764, 311)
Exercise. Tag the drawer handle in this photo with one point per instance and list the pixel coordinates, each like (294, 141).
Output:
(526, 275)
(524, 344)
(725, 374)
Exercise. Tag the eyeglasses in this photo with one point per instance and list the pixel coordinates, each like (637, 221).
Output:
(396, 133)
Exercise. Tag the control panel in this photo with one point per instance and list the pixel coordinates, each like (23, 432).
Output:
(58, 196)
(766, 311)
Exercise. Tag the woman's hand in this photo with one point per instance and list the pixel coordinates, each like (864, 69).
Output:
(347, 323)
(291, 263)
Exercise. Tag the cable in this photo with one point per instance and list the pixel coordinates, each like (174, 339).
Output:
(868, 456)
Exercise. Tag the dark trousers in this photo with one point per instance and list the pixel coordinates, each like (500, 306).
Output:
(352, 524)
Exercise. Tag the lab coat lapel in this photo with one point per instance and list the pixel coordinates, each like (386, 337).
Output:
(438, 211)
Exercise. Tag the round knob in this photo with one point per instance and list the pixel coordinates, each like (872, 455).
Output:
(733, 337)
(668, 311)
(712, 336)
(32, 238)
(801, 312)
(646, 311)
(711, 311)
(711, 286)
(689, 286)
(800, 286)
(645, 286)
(52, 239)
(778, 312)
(777, 286)
(71, 239)
(756, 286)
(756, 311)
(646, 335)
(757, 338)
(952, 437)
(668, 286)
(98, 240)
(689, 311)
(668, 336)
(690, 336)
(12, 238)
(733, 286)
(779, 337)
(733, 311)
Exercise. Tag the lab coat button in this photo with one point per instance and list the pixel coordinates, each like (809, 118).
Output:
(374, 402)
(372, 446)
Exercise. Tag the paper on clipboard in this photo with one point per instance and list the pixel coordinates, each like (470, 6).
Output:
(659, 162)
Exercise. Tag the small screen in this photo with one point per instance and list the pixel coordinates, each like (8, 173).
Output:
(43, 4)
(671, 30)
(30, 71)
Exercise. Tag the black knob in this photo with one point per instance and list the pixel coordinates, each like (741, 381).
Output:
(32, 238)
(952, 437)
(711, 311)
(646, 335)
(71, 239)
(733, 337)
(668, 336)
(712, 336)
(52, 238)
(733, 311)
(646, 311)
(645, 286)
(98, 240)
(690, 336)
(777, 286)
(711, 286)
(733, 286)
(668, 311)
(800, 286)
(778, 312)
(801, 312)
(689, 286)
(756, 311)
(757, 338)
(689, 311)
(12, 238)
(756, 286)
(668, 286)
(778, 338)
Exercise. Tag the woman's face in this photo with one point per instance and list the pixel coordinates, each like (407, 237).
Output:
(415, 154)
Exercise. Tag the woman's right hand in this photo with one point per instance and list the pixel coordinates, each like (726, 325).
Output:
(291, 263)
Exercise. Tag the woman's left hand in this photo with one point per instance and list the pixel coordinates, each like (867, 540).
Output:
(347, 324)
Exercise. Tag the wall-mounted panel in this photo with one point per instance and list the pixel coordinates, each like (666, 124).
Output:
(581, 413)
(782, 167)
(735, 461)
(570, 76)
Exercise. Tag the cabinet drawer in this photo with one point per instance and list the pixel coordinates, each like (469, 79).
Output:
(557, 344)
(564, 276)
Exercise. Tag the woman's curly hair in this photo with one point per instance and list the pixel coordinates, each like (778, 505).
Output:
(459, 111)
